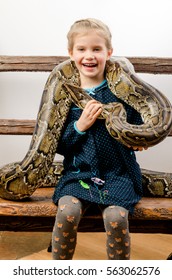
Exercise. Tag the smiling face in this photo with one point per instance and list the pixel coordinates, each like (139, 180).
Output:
(90, 54)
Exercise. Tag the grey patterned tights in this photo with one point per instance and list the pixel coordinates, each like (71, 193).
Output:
(69, 213)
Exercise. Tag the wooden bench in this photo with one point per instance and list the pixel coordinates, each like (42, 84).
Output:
(152, 215)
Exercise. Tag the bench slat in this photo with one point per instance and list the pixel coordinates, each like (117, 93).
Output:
(40, 204)
(38, 214)
(21, 127)
(153, 65)
(16, 127)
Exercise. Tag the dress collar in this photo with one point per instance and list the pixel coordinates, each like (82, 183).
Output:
(93, 89)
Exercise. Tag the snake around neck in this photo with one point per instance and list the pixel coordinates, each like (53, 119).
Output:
(19, 180)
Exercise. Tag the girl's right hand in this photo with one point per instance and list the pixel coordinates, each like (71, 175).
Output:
(89, 115)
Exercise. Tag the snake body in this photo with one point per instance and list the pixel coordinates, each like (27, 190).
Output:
(19, 180)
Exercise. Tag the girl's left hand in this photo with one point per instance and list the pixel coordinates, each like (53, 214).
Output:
(89, 115)
(139, 148)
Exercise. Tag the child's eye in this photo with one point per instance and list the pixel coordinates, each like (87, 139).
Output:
(81, 49)
(97, 49)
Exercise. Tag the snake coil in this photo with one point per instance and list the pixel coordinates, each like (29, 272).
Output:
(19, 180)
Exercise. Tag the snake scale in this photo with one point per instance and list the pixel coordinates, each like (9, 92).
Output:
(19, 180)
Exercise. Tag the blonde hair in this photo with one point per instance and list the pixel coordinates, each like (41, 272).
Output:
(84, 25)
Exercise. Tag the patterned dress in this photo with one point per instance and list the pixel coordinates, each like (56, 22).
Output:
(97, 168)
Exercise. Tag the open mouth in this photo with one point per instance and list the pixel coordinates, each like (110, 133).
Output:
(90, 65)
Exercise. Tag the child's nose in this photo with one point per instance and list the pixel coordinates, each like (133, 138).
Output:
(90, 55)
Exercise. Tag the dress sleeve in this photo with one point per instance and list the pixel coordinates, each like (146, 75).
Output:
(71, 137)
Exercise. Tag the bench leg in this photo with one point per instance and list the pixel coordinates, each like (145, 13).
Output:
(170, 256)
(49, 249)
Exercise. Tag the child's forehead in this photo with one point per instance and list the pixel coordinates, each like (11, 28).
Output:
(86, 31)
(88, 36)
(89, 40)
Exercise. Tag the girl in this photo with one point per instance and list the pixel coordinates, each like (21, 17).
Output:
(98, 170)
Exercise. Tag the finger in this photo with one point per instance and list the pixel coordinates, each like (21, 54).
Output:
(94, 108)
(91, 103)
(138, 148)
(98, 112)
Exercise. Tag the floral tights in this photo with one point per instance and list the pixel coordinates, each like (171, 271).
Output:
(69, 214)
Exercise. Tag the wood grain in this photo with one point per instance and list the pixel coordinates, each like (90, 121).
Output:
(154, 65)
(38, 212)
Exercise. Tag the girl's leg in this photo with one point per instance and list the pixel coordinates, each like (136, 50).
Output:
(117, 230)
(65, 228)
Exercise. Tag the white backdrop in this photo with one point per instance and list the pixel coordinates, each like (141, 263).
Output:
(39, 27)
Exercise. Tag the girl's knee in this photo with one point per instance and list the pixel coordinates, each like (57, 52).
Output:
(115, 215)
(69, 208)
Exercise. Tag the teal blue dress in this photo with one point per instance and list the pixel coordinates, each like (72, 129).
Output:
(98, 168)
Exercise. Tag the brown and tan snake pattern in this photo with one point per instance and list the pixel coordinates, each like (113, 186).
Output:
(20, 180)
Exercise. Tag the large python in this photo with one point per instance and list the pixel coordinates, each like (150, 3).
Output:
(19, 180)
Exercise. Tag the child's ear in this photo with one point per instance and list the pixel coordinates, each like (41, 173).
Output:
(70, 54)
(110, 51)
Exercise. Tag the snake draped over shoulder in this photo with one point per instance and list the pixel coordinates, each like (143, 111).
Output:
(19, 180)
